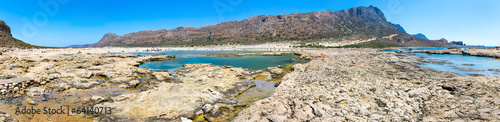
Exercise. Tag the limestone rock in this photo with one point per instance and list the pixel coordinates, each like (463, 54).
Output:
(200, 88)
(366, 85)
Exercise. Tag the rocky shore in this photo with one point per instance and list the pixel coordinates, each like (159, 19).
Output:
(336, 85)
(486, 52)
(78, 71)
(366, 85)
(200, 89)
(256, 54)
(302, 54)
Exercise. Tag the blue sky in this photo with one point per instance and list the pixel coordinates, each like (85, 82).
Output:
(66, 22)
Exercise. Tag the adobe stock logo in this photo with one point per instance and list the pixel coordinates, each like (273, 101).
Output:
(222, 6)
(40, 19)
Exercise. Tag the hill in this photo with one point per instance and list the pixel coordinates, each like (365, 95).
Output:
(358, 23)
(82, 46)
(6, 39)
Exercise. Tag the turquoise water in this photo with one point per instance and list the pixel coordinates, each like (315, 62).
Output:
(480, 63)
(195, 57)
(436, 48)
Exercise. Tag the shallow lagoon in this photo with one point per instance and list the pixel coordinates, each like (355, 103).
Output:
(196, 57)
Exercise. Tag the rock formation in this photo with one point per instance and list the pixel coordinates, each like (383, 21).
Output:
(82, 46)
(399, 27)
(6, 39)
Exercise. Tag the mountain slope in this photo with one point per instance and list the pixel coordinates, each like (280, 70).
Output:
(82, 46)
(6, 39)
(352, 24)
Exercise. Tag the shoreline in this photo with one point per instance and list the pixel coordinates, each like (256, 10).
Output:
(366, 85)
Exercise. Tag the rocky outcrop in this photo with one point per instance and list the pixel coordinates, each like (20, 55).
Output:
(199, 89)
(256, 54)
(107, 39)
(334, 25)
(443, 40)
(484, 52)
(399, 27)
(422, 36)
(4, 29)
(6, 39)
(460, 43)
(366, 85)
(469, 69)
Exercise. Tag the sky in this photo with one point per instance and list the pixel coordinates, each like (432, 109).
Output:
(67, 22)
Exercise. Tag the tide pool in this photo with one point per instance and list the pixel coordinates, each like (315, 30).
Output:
(196, 57)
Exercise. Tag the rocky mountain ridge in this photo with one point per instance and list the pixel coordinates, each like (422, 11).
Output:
(82, 46)
(358, 23)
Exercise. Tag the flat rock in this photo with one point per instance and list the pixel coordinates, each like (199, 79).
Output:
(367, 85)
(200, 88)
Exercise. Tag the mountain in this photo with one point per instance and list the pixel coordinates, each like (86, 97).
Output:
(358, 23)
(6, 39)
(82, 46)
(420, 35)
(399, 27)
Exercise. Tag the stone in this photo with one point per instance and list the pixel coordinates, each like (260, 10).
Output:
(477, 75)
